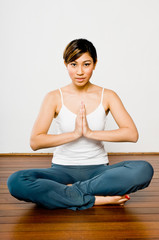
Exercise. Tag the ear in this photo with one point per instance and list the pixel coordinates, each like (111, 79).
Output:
(65, 63)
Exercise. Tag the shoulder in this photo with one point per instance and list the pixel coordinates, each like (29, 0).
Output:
(111, 99)
(114, 103)
(52, 97)
(110, 94)
(107, 93)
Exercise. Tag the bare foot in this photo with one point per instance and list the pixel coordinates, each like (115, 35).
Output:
(69, 184)
(119, 200)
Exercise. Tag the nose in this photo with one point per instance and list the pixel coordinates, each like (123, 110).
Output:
(79, 70)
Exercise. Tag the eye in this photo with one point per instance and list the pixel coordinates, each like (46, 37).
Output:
(86, 64)
(73, 64)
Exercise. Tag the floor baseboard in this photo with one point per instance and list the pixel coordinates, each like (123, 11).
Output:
(109, 154)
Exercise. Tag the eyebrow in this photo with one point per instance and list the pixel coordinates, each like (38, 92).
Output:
(84, 61)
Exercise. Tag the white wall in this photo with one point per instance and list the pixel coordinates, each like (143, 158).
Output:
(34, 34)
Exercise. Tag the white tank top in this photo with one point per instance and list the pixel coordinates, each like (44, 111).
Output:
(82, 151)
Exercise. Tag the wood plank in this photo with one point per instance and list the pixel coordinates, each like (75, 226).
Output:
(81, 235)
(90, 226)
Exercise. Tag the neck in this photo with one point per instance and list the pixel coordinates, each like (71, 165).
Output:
(81, 89)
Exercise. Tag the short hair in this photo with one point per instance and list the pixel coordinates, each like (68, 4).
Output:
(76, 48)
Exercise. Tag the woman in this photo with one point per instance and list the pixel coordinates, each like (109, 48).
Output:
(80, 176)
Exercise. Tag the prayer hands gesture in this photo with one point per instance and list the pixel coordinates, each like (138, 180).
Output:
(81, 126)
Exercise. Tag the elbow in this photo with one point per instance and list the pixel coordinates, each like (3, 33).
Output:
(134, 136)
(33, 144)
(34, 148)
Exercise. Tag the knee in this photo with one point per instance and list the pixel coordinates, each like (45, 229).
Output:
(140, 172)
(13, 182)
(146, 170)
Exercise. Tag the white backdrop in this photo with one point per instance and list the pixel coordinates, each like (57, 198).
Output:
(34, 34)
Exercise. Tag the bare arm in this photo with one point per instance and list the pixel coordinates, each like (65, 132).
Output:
(126, 132)
(39, 136)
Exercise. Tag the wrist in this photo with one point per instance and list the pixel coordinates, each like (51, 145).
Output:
(89, 134)
(76, 135)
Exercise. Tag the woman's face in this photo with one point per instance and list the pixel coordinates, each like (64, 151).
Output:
(81, 69)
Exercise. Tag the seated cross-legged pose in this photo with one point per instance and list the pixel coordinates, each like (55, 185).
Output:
(80, 176)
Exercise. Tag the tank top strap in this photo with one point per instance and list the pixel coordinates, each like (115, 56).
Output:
(102, 96)
(61, 96)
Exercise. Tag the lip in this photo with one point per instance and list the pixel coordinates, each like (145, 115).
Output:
(80, 79)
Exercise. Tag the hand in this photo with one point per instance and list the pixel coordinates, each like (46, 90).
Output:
(85, 128)
(78, 125)
(81, 125)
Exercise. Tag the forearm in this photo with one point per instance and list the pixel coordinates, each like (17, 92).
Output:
(117, 135)
(48, 140)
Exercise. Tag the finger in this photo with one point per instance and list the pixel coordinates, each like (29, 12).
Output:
(84, 109)
(84, 113)
(81, 106)
(81, 113)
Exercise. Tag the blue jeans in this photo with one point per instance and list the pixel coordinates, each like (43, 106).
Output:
(48, 187)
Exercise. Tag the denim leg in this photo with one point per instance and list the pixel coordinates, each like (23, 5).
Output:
(119, 179)
(42, 187)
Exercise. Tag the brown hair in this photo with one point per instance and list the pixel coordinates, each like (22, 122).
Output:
(76, 48)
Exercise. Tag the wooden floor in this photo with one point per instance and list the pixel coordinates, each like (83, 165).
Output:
(138, 219)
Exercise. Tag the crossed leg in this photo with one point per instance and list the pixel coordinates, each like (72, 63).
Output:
(118, 180)
(49, 188)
